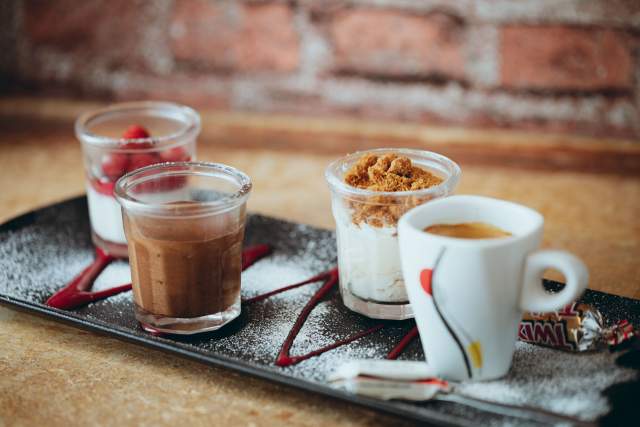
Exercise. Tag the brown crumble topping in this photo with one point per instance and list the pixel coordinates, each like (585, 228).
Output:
(388, 172)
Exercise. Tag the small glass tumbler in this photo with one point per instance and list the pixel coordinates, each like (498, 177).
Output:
(184, 224)
(371, 280)
(120, 139)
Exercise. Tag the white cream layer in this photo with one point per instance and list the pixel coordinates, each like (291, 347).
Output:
(106, 216)
(369, 259)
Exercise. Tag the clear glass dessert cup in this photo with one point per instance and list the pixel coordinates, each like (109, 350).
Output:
(184, 224)
(165, 132)
(371, 280)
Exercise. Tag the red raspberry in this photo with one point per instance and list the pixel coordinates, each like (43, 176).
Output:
(114, 165)
(136, 145)
(136, 132)
(175, 154)
(141, 160)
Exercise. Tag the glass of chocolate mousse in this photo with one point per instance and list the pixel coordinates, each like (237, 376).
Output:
(184, 224)
(370, 191)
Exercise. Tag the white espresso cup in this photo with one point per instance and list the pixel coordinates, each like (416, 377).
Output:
(468, 295)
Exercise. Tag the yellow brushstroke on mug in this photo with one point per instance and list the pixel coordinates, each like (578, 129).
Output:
(475, 351)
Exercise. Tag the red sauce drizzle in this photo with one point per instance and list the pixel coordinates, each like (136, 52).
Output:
(253, 254)
(404, 342)
(285, 288)
(330, 280)
(77, 293)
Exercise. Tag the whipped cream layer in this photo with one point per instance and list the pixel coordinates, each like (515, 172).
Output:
(369, 259)
(106, 216)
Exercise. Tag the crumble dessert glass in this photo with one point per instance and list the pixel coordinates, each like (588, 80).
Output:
(371, 280)
(154, 132)
(184, 223)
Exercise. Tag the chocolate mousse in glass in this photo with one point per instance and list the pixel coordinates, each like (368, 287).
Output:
(184, 224)
(120, 139)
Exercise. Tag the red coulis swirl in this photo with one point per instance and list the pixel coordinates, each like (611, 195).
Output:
(77, 293)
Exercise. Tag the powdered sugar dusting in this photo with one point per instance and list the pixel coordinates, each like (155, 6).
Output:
(116, 273)
(272, 273)
(48, 253)
(559, 381)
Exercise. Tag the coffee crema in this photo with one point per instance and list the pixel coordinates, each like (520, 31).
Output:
(468, 230)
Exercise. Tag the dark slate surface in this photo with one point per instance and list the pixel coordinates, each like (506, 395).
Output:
(43, 250)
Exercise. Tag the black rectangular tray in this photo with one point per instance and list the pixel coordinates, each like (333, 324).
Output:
(42, 250)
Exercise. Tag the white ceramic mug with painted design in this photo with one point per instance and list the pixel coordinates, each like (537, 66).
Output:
(468, 295)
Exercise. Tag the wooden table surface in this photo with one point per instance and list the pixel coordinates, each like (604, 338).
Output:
(588, 191)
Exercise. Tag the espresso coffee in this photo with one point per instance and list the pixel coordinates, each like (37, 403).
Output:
(468, 230)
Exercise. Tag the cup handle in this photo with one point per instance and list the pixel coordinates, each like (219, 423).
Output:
(535, 298)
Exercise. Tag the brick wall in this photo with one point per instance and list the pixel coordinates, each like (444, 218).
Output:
(551, 65)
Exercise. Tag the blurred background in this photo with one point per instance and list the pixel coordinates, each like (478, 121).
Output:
(561, 66)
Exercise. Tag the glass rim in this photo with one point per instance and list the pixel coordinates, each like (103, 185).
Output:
(172, 169)
(191, 120)
(338, 185)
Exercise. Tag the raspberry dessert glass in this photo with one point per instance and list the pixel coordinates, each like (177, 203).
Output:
(184, 224)
(120, 139)
(371, 280)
